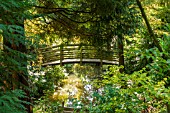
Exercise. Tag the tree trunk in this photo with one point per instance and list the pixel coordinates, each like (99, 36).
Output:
(121, 52)
(168, 108)
(156, 43)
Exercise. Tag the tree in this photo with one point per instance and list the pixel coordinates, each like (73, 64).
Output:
(154, 38)
(87, 20)
(14, 53)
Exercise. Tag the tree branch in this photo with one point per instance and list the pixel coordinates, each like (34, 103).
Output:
(64, 23)
(63, 9)
(85, 21)
(149, 27)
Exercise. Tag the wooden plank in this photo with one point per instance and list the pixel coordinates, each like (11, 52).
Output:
(67, 61)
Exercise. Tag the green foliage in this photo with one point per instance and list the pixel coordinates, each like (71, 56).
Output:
(45, 82)
(87, 19)
(46, 105)
(14, 89)
(84, 71)
(165, 41)
(54, 75)
(129, 93)
(97, 22)
(10, 102)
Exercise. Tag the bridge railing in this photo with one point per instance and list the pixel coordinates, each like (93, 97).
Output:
(78, 51)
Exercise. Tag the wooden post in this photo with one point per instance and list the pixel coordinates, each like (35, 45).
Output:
(81, 55)
(101, 58)
(100, 65)
(61, 55)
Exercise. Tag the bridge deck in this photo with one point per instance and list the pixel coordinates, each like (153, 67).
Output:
(67, 61)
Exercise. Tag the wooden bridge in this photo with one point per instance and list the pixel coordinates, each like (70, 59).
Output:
(78, 53)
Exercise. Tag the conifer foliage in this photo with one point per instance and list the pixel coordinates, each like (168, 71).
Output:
(14, 87)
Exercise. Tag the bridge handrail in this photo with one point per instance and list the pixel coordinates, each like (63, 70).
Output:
(77, 51)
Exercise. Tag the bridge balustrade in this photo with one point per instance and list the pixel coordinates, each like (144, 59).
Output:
(78, 53)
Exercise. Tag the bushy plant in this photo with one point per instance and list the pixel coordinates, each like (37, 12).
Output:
(126, 93)
(45, 83)
(46, 104)
(46, 79)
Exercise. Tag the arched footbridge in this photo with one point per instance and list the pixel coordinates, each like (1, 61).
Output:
(78, 53)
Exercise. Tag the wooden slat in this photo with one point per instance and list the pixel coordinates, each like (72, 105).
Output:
(78, 51)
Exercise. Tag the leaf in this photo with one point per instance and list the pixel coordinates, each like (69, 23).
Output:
(168, 61)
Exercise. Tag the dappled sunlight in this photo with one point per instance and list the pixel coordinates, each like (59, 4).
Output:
(72, 88)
